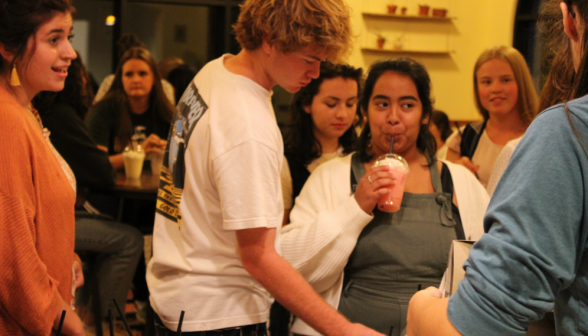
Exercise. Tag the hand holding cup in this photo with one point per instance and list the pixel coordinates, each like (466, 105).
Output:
(372, 186)
(392, 201)
(154, 144)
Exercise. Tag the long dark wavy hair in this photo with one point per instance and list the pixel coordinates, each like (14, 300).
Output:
(558, 58)
(299, 139)
(426, 143)
(579, 86)
(20, 19)
(441, 120)
(77, 92)
(162, 107)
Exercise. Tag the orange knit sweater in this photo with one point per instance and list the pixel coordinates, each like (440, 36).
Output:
(36, 226)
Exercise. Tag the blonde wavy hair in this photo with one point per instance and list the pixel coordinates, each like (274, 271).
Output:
(291, 25)
(528, 101)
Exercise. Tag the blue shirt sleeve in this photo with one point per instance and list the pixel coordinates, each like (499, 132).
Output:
(531, 249)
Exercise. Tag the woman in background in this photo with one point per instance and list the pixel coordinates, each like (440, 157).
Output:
(506, 98)
(37, 188)
(134, 102)
(320, 126)
(440, 128)
(319, 129)
(124, 43)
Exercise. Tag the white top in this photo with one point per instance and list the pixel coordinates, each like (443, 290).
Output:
(232, 182)
(326, 222)
(485, 154)
(501, 164)
(287, 177)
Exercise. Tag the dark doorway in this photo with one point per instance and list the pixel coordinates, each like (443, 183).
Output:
(527, 39)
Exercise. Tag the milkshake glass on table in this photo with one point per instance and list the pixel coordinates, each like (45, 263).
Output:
(399, 168)
(156, 162)
(133, 160)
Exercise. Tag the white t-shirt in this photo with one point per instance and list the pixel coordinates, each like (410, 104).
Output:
(232, 160)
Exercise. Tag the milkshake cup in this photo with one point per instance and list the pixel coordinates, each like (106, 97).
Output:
(133, 162)
(399, 168)
(156, 162)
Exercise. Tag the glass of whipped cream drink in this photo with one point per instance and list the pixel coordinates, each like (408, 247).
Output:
(133, 162)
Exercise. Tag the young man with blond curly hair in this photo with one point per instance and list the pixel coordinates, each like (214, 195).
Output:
(219, 211)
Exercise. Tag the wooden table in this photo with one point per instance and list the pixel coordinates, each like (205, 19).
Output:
(144, 188)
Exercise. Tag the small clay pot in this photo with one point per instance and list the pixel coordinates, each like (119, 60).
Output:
(392, 9)
(403, 10)
(424, 10)
(439, 12)
(381, 42)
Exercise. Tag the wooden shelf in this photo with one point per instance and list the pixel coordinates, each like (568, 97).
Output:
(406, 17)
(406, 51)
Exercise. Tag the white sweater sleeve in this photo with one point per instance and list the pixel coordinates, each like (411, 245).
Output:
(325, 224)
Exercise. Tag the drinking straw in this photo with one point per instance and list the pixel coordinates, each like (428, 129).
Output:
(419, 287)
(391, 331)
(391, 144)
(110, 322)
(122, 316)
(61, 323)
(179, 331)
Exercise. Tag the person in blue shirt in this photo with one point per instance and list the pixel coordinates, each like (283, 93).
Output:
(534, 256)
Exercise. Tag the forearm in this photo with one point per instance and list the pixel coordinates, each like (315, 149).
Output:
(260, 259)
(433, 320)
(292, 291)
(427, 315)
(117, 161)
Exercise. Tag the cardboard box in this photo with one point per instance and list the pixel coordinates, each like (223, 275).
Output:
(458, 254)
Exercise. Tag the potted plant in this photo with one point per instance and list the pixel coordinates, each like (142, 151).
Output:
(424, 10)
(381, 40)
(392, 9)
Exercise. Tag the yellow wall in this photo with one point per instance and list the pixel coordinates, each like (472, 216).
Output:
(478, 24)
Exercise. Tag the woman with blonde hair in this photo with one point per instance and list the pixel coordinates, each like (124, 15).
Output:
(506, 99)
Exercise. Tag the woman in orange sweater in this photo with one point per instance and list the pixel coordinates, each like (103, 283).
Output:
(37, 188)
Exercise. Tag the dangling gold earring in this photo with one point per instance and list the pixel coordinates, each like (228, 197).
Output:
(14, 80)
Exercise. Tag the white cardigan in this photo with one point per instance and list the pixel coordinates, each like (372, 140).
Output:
(326, 222)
